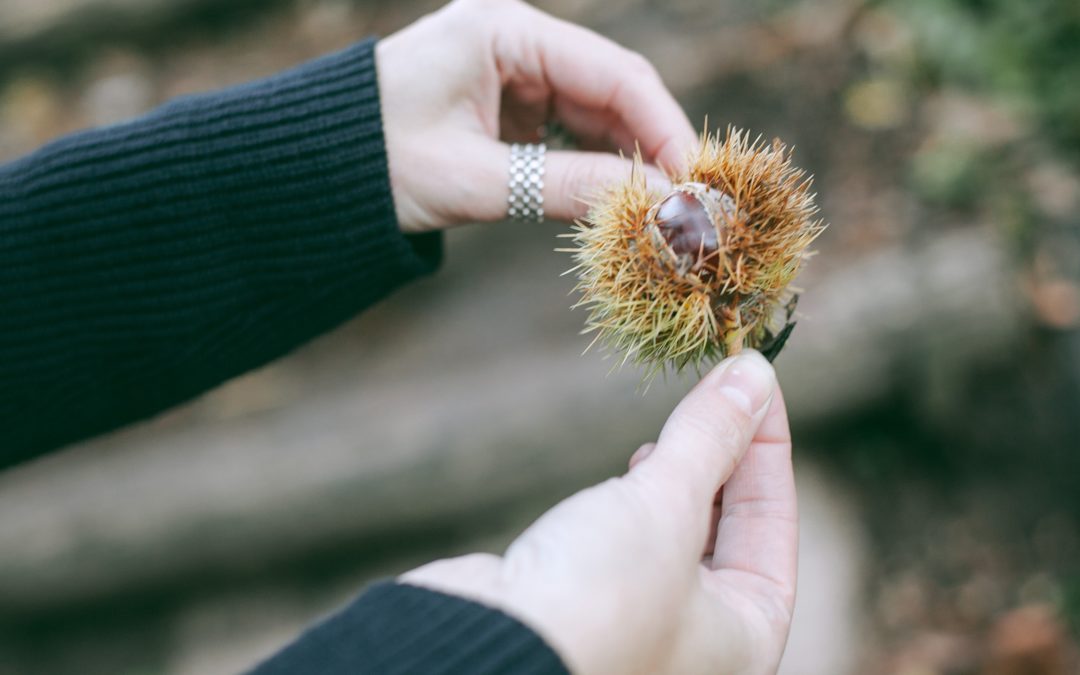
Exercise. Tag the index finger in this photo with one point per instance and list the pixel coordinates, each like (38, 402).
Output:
(758, 532)
(703, 442)
(597, 73)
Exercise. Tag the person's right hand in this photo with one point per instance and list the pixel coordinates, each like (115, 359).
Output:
(658, 571)
(459, 84)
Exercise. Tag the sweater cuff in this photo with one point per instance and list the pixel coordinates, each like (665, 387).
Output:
(152, 260)
(397, 628)
(336, 137)
(304, 183)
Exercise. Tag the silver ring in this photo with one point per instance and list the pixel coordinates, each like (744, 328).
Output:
(526, 200)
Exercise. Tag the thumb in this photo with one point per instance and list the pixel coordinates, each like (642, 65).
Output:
(709, 432)
(571, 177)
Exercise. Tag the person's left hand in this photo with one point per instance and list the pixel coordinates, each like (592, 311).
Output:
(658, 571)
(459, 82)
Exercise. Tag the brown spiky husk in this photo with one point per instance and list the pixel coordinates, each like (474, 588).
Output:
(642, 307)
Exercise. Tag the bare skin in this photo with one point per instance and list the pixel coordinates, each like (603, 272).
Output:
(459, 83)
(650, 572)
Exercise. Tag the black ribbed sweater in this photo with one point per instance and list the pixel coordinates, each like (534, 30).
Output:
(144, 263)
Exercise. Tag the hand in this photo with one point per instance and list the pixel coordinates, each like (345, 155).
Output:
(653, 572)
(457, 82)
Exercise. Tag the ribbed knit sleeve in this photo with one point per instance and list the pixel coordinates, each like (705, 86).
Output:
(397, 629)
(144, 263)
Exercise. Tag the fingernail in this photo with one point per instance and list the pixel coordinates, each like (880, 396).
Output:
(746, 380)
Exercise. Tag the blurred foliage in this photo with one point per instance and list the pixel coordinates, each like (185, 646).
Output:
(1026, 54)
(991, 90)
(952, 174)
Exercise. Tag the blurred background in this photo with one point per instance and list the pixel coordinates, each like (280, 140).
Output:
(934, 382)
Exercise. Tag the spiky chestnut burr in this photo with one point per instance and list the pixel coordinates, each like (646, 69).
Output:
(698, 273)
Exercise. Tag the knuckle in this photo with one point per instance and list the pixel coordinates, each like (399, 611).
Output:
(776, 611)
(686, 502)
(477, 558)
(723, 423)
(691, 501)
(588, 172)
(569, 179)
(719, 433)
(483, 7)
(580, 174)
(640, 65)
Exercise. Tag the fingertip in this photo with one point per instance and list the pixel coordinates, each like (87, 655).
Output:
(710, 430)
(674, 155)
(746, 380)
(656, 179)
(774, 428)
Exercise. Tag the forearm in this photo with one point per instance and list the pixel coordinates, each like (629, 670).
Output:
(144, 263)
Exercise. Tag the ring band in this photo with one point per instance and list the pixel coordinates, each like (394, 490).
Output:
(526, 200)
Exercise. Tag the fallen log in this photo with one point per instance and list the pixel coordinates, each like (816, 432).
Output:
(456, 411)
